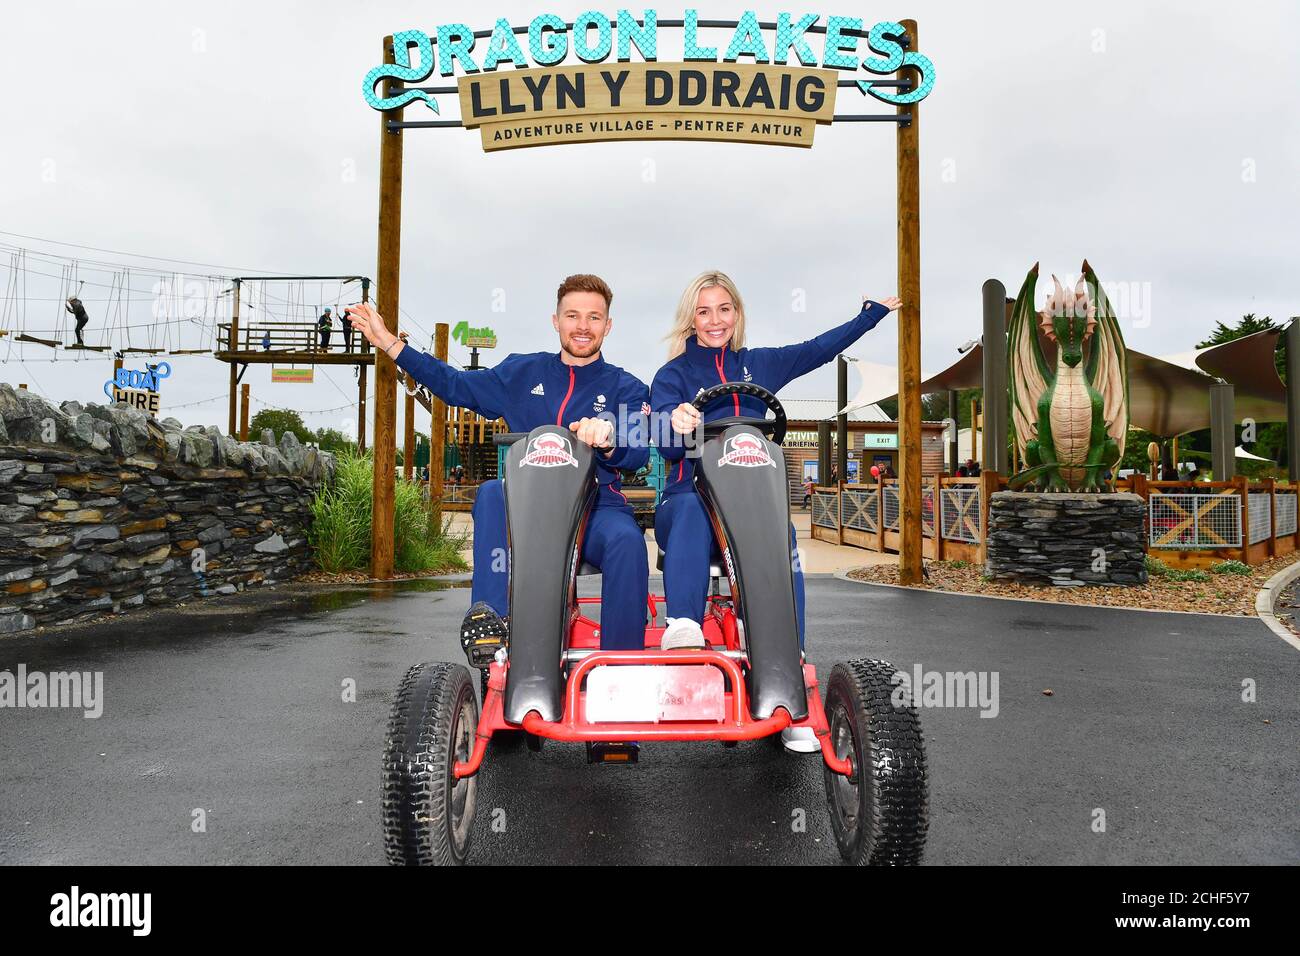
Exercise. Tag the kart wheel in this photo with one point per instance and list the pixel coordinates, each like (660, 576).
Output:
(428, 815)
(881, 814)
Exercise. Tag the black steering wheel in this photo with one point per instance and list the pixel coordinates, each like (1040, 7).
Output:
(774, 428)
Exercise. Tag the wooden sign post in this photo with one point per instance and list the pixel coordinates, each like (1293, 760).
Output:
(437, 430)
(387, 274)
(909, 337)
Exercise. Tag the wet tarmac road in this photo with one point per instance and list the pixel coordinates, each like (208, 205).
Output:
(237, 709)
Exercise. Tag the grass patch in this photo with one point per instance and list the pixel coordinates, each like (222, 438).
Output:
(341, 517)
(1156, 568)
(1230, 567)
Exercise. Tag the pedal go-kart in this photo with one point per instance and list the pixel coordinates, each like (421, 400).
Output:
(552, 681)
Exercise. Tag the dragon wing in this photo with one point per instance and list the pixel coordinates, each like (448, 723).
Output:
(1107, 362)
(1029, 375)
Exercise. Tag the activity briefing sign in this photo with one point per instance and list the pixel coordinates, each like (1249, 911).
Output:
(710, 95)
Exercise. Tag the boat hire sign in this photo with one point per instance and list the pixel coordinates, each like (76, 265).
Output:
(755, 83)
(138, 388)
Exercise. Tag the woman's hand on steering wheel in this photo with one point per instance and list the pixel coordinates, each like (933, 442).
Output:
(686, 418)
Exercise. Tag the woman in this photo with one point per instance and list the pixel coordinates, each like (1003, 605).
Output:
(707, 347)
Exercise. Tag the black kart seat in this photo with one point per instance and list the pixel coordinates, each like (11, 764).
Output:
(715, 570)
(585, 569)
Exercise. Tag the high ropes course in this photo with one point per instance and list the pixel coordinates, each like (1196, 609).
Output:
(65, 308)
(129, 310)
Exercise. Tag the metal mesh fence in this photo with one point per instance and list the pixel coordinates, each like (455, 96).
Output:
(927, 511)
(891, 507)
(1286, 513)
(960, 514)
(459, 494)
(825, 508)
(1195, 521)
(1260, 518)
(860, 507)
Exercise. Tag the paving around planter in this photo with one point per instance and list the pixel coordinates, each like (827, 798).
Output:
(1218, 593)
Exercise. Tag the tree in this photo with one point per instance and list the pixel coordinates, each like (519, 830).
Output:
(934, 406)
(333, 440)
(1270, 437)
(280, 420)
(1249, 325)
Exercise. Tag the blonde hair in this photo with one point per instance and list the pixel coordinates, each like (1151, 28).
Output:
(684, 323)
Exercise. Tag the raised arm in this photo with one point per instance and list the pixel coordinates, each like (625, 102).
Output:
(482, 391)
(786, 363)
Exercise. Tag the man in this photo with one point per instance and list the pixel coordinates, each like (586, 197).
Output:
(568, 388)
(347, 334)
(78, 311)
(325, 325)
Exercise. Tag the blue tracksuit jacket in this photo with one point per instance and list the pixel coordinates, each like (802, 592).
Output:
(539, 389)
(772, 368)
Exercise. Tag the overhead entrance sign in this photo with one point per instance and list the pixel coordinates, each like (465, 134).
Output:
(303, 375)
(777, 105)
(709, 95)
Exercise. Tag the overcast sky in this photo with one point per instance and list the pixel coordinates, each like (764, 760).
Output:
(1159, 140)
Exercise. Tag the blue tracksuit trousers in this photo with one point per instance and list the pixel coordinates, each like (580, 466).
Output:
(613, 543)
(685, 535)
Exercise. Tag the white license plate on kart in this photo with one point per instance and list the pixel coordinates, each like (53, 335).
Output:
(654, 693)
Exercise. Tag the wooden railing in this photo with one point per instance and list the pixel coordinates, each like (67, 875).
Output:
(1187, 524)
(954, 513)
(257, 336)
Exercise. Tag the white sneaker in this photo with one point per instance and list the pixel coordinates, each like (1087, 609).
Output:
(800, 740)
(680, 633)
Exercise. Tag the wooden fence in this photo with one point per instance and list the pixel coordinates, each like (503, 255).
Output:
(1187, 524)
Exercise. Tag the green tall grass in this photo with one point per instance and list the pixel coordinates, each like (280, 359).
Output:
(341, 516)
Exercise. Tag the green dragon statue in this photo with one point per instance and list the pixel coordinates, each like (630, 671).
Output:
(1070, 420)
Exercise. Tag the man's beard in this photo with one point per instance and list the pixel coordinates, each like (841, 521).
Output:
(592, 350)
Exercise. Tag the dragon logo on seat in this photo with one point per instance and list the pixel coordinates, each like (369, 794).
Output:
(747, 451)
(549, 451)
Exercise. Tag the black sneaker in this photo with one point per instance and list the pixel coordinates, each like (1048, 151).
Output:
(482, 634)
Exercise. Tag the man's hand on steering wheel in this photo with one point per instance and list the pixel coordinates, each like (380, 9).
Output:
(596, 432)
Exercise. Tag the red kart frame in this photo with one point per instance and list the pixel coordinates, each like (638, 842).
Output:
(738, 724)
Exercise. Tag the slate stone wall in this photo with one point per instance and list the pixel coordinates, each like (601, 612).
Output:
(1053, 539)
(104, 509)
